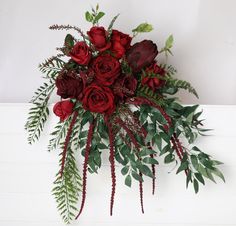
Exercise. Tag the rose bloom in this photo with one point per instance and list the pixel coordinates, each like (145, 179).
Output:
(106, 69)
(63, 109)
(98, 99)
(69, 85)
(154, 83)
(141, 55)
(81, 53)
(99, 38)
(125, 86)
(120, 43)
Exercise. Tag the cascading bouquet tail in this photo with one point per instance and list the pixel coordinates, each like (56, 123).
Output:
(116, 96)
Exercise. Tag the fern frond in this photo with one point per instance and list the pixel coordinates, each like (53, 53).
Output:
(58, 134)
(145, 91)
(52, 66)
(43, 91)
(38, 115)
(180, 84)
(67, 188)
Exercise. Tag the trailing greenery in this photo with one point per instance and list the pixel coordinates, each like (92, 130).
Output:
(197, 164)
(67, 188)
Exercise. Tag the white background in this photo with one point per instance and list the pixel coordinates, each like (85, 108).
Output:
(204, 31)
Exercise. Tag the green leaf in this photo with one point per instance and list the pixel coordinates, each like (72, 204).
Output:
(210, 176)
(89, 17)
(202, 171)
(99, 16)
(196, 149)
(188, 178)
(69, 41)
(218, 173)
(128, 180)
(136, 176)
(146, 171)
(169, 42)
(146, 151)
(196, 185)
(194, 161)
(150, 160)
(158, 141)
(169, 158)
(125, 170)
(144, 27)
(183, 166)
(199, 178)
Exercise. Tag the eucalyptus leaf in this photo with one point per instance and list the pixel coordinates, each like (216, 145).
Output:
(144, 27)
(128, 181)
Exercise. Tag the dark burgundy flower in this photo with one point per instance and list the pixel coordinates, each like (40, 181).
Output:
(81, 53)
(106, 69)
(141, 55)
(69, 85)
(120, 43)
(63, 109)
(153, 83)
(98, 99)
(99, 37)
(125, 86)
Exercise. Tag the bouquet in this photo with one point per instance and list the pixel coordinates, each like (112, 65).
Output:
(115, 95)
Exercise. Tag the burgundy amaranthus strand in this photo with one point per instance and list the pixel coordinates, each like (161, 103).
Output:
(67, 140)
(131, 135)
(141, 191)
(178, 144)
(85, 166)
(112, 161)
(154, 176)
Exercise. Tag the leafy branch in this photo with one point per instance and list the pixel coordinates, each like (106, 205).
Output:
(94, 16)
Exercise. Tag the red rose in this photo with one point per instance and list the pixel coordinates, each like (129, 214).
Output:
(63, 109)
(81, 53)
(125, 86)
(106, 69)
(154, 83)
(141, 55)
(120, 43)
(69, 85)
(99, 37)
(98, 99)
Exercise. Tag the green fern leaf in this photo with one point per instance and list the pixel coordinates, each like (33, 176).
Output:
(180, 84)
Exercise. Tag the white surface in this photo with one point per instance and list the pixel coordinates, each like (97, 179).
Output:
(204, 32)
(27, 173)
